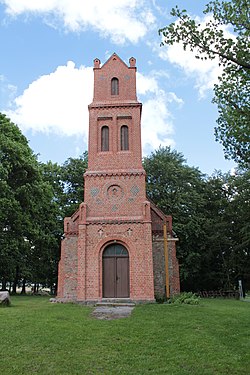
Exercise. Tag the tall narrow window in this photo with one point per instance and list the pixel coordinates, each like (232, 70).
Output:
(105, 138)
(124, 138)
(114, 86)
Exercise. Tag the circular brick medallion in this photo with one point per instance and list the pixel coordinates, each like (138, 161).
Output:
(115, 192)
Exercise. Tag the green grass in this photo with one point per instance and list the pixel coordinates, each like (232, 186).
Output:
(37, 337)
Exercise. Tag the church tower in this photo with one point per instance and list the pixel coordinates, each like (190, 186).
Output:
(107, 251)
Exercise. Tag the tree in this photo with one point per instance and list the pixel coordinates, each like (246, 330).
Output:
(240, 218)
(232, 93)
(177, 190)
(18, 171)
(216, 269)
(227, 239)
(28, 212)
(211, 217)
(73, 184)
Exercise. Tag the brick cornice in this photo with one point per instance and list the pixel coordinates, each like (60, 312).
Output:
(102, 221)
(135, 172)
(71, 233)
(125, 104)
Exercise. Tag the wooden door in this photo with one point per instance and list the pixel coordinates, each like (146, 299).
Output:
(115, 272)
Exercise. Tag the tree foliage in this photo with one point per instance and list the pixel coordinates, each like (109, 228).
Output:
(177, 189)
(210, 217)
(71, 176)
(228, 236)
(28, 230)
(232, 93)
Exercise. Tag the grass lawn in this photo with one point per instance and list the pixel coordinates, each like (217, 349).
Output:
(37, 337)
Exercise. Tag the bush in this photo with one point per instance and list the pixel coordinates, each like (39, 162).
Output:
(187, 298)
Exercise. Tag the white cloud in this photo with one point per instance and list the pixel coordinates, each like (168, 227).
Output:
(171, 97)
(146, 84)
(205, 72)
(7, 92)
(157, 122)
(157, 126)
(58, 104)
(119, 20)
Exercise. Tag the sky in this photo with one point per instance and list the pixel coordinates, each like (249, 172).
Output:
(46, 75)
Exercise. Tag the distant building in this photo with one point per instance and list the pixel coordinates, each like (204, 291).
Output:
(114, 243)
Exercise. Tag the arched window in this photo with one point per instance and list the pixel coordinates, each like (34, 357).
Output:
(114, 86)
(124, 138)
(105, 138)
(116, 250)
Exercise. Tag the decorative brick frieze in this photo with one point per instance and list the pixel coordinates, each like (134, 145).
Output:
(71, 233)
(114, 173)
(114, 106)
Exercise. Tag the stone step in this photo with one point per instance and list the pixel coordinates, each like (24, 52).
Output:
(109, 302)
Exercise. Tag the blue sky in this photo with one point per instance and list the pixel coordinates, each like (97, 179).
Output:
(46, 75)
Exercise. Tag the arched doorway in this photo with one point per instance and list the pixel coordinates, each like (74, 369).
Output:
(115, 272)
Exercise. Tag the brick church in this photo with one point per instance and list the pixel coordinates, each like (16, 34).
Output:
(118, 244)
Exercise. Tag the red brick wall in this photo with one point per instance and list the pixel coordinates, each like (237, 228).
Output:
(136, 237)
(114, 117)
(114, 67)
(115, 196)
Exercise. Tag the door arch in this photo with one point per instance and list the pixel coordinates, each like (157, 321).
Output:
(115, 271)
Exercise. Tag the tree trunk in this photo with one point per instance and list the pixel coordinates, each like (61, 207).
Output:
(36, 287)
(23, 291)
(15, 282)
(3, 284)
(14, 286)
